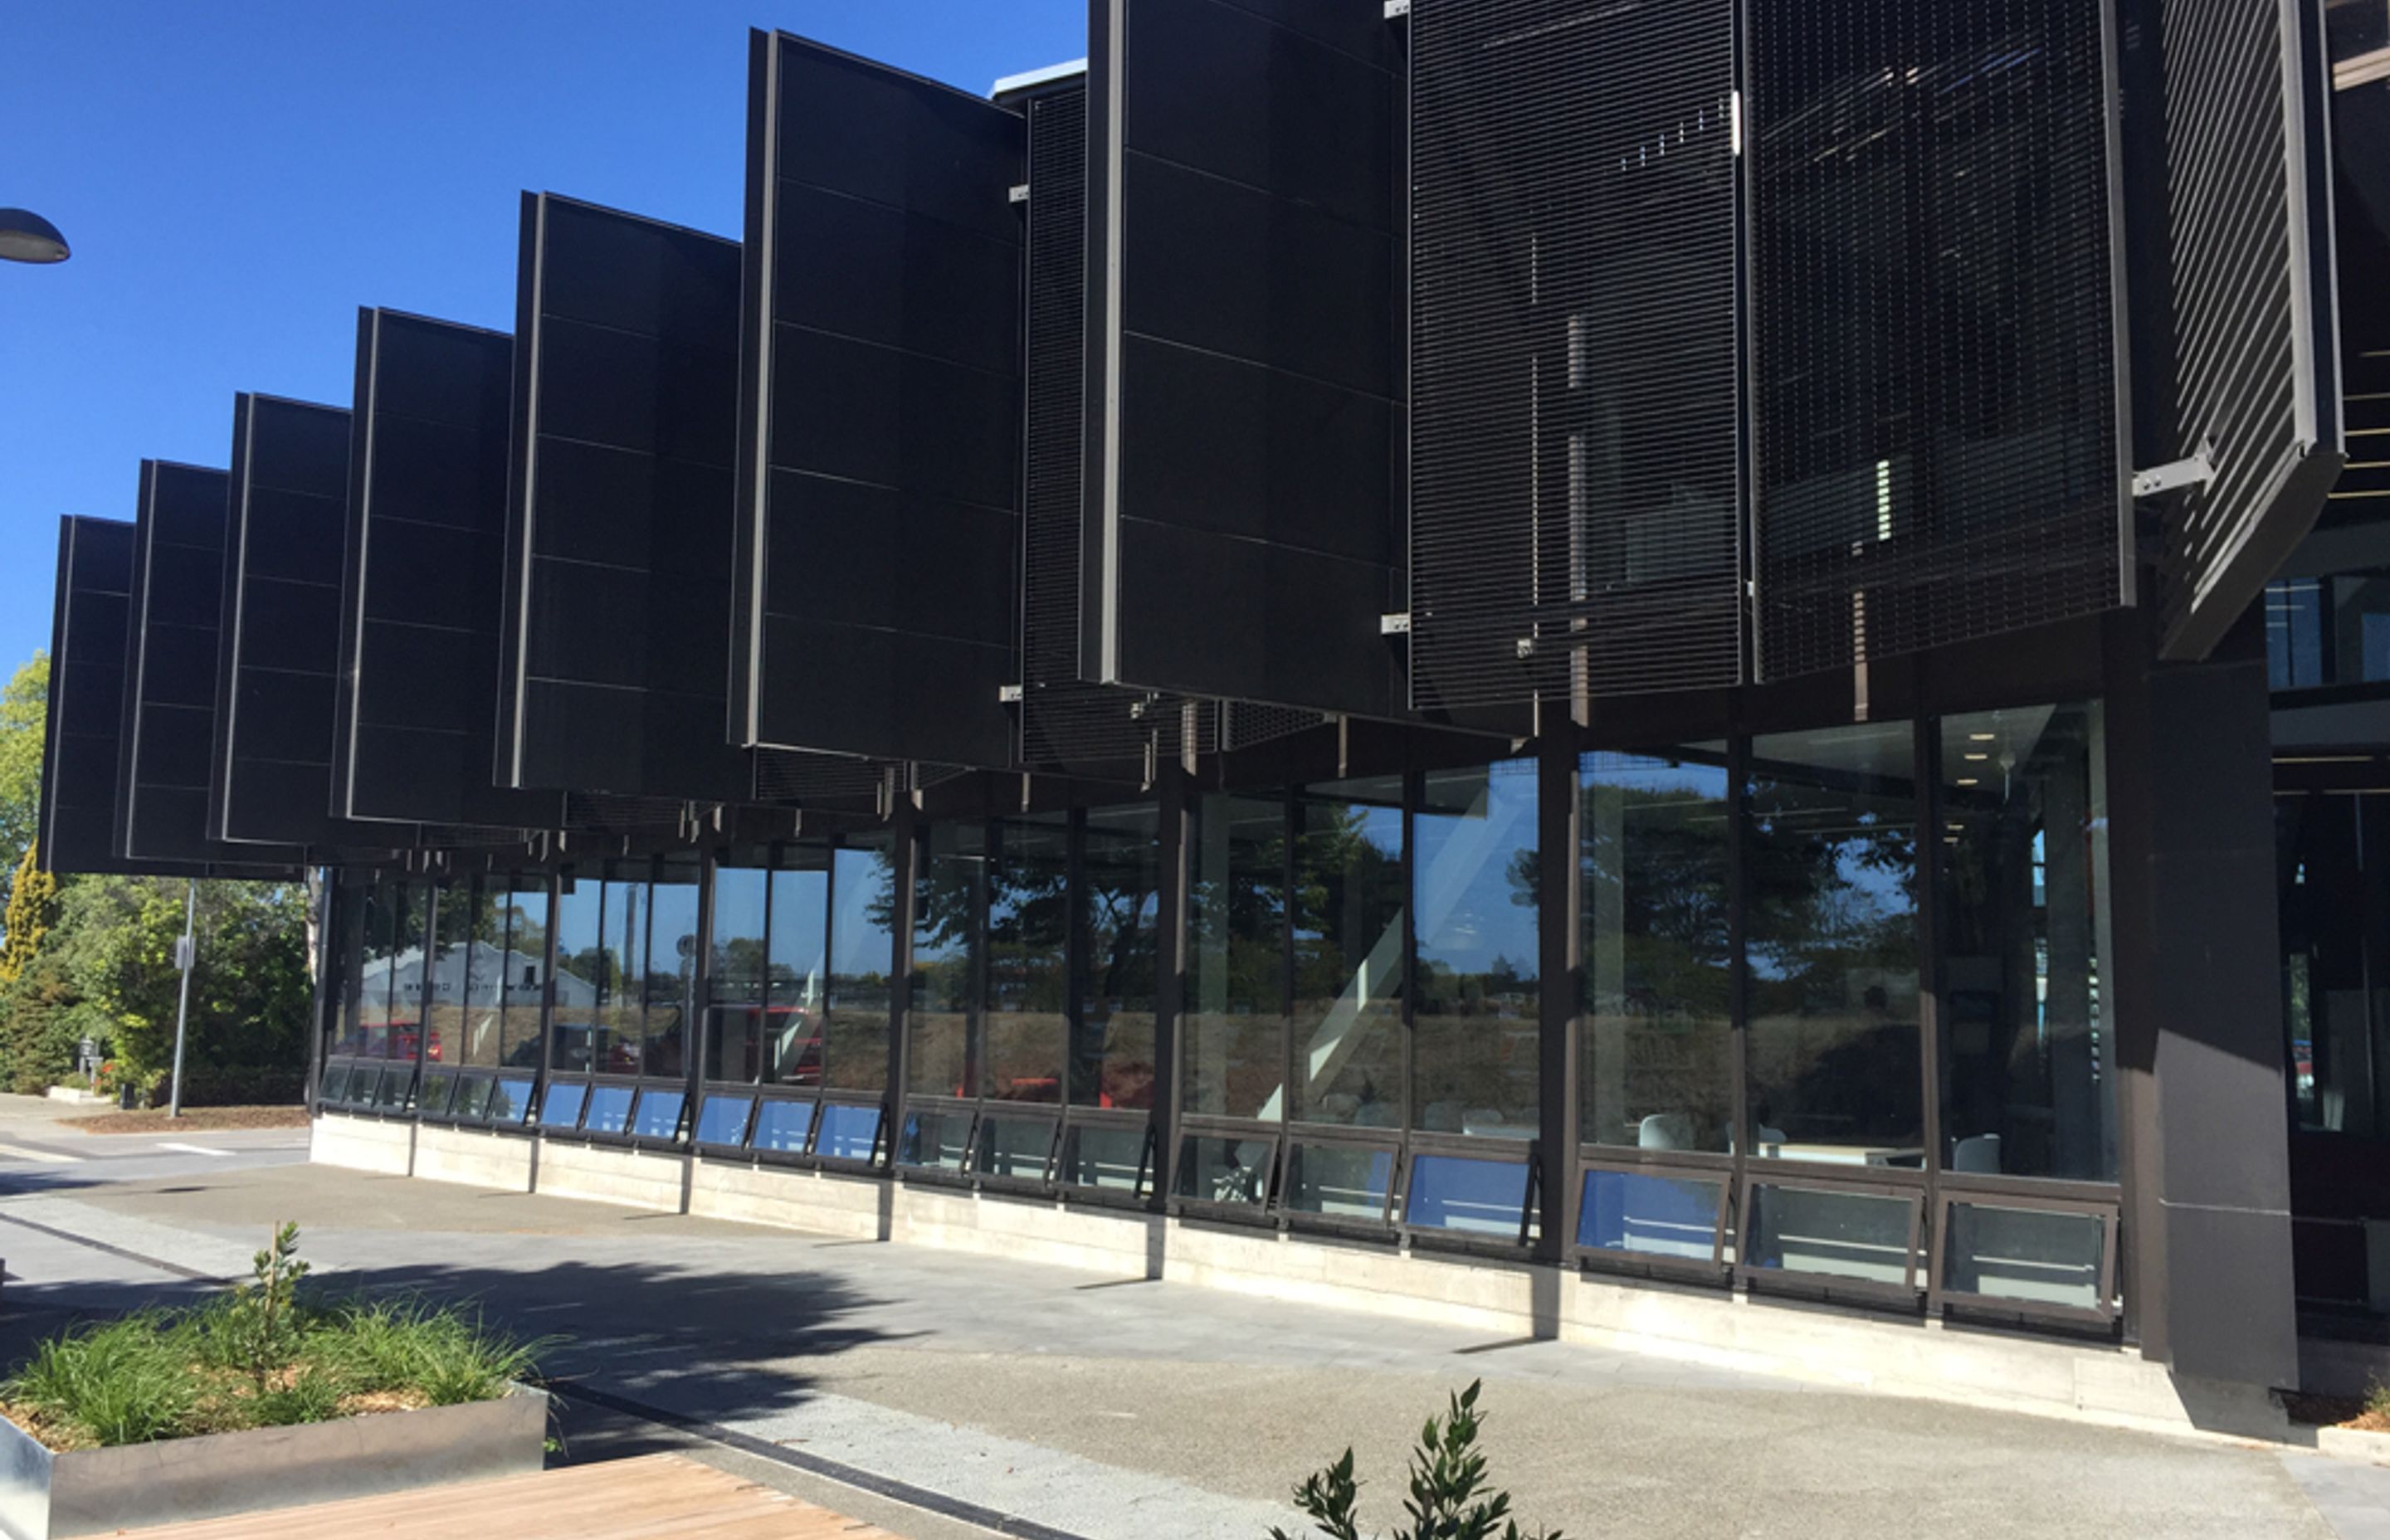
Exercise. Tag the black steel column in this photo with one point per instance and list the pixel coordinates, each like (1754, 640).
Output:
(2205, 1147)
(1169, 969)
(903, 853)
(1561, 965)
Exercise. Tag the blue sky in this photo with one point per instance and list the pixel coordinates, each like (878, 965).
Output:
(236, 176)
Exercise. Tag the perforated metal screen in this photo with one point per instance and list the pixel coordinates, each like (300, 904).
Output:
(2254, 377)
(1574, 441)
(1937, 417)
(1065, 721)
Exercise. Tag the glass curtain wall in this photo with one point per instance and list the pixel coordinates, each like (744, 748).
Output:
(582, 971)
(1112, 1043)
(1653, 868)
(524, 986)
(1476, 1031)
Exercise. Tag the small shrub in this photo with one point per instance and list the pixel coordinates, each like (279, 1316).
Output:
(1451, 1498)
(2377, 1401)
(266, 1353)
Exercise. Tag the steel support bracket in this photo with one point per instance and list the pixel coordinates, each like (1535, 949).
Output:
(2198, 470)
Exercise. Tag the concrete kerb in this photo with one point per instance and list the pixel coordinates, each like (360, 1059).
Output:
(1810, 1344)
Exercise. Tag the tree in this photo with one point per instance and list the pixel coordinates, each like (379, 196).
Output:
(251, 993)
(32, 908)
(24, 704)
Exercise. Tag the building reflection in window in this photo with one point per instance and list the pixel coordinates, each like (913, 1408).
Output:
(1475, 1024)
(1348, 914)
(862, 952)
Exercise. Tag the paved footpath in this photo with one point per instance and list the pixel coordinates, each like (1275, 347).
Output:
(942, 1395)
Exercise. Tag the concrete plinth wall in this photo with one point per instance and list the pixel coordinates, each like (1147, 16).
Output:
(1819, 1344)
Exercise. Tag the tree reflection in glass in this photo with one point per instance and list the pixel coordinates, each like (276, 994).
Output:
(1835, 1070)
(1656, 844)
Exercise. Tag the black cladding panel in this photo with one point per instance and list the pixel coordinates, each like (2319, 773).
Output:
(1066, 721)
(167, 740)
(618, 549)
(80, 750)
(881, 413)
(1933, 270)
(423, 588)
(278, 656)
(1575, 403)
(1245, 352)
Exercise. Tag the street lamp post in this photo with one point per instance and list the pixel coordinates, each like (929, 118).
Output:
(26, 237)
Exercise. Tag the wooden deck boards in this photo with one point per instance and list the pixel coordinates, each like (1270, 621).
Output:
(651, 1498)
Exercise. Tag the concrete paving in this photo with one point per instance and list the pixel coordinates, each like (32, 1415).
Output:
(1103, 1406)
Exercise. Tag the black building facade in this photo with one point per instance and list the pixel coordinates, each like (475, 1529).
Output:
(1619, 653)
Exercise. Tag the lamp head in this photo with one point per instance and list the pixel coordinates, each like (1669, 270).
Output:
(26, 237)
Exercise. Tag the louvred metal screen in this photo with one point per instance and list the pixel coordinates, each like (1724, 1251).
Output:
(1937, 442)
(1575, 443)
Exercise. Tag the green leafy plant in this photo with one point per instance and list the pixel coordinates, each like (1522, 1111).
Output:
(267, 1353)
(2377, 1400)
(1451, 1498)
(258, 1323)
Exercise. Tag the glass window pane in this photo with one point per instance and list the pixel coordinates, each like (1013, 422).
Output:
(1836, 1070)
(935, 1141)
(1449, 1192)
(1028, 961)
(848, 1131)
(472, 1101)
(439, 1091)
(1113, 1059)
(335, 1083)
(2029, 1063)
(781, 1126)
(510, 1099)
(401, 1040)
(797, 977)
(1112, 1159)
(1017, 1148)
(1850, 1235)
(1476, 1025)
(562, 1109)
(610, 1109)
(2010, 1254)
(1340, 1181)
(617, 1046)
(658, 1113)
(525, 984)
(1656, 842)
(1235, 1043)
(1215, 1169)
(735, 1046)
(862, 952)
(723, 1120)
(397, 1090)
(1651, 1216)
(464, 975)
(583, 967)
(671, 993)
(1348, 959)
(948, 918)
(2295, 634)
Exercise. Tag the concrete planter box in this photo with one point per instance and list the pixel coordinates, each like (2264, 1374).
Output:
(2352, 1444)
(100, 1490)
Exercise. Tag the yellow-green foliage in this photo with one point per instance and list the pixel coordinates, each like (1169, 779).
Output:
(32, 908)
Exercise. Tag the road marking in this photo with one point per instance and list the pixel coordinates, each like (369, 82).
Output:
(22, 1153)
(195, 1149)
